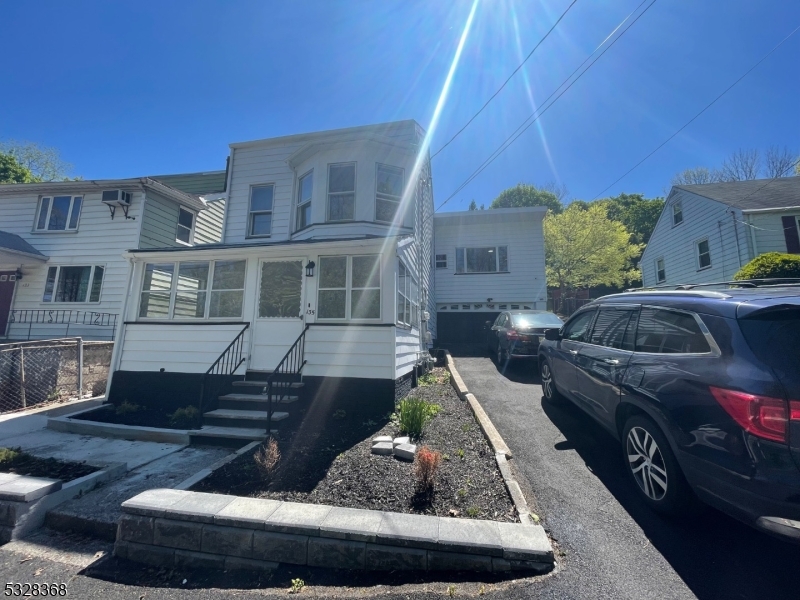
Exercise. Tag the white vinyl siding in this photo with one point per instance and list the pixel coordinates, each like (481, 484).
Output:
(208, 223)
(767, 229)
(159, 223)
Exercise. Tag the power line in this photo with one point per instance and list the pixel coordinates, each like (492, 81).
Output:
(506, 81)
(539, 112)
(689, 122)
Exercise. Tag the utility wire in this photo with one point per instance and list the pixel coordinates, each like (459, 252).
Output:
(500, 89)
(690, 121)
(539, 112)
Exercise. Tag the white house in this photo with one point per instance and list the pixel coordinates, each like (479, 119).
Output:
(708, 232)
(62, 269)
(326, 251)
(486, 261)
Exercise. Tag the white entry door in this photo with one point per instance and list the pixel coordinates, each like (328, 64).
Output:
(278, 319)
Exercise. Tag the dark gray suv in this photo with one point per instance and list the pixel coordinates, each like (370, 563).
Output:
(701, 387)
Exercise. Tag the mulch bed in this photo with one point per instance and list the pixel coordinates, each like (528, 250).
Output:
(334, 466)
(14, 460)
(144, 417)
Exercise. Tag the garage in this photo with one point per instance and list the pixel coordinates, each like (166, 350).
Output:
(463, 332)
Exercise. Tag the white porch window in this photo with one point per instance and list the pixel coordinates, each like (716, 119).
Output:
(156, 291)
(304, 191)
(281, 287)
(227, 289)
(191, 290)
(341, 192)
(58, 213)
(185, 229)
(260, 217)
(491, 259)
(73, 284)
(388, 192)
(349, 287)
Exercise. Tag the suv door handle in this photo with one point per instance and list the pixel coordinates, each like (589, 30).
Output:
(573, 352)
(611, 361)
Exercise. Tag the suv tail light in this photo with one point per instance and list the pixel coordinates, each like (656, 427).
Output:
(762, 416)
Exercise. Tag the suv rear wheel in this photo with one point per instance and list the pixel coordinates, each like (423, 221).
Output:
(654, 468)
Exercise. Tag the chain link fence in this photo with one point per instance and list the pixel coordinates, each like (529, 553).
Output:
(47, 372)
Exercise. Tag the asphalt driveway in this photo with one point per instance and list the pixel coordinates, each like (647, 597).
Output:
(614, 547)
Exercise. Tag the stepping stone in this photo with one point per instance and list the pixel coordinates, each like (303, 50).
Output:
(381, 439)
(405, 451)
(382, 448)
(401, 440)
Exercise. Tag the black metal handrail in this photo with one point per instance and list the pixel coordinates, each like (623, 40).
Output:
(227, 362)
(58, 316)
(292, 363)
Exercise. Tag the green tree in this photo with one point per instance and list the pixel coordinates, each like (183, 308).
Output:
(44, 163)
(637, 213)
(524, 194)
(473, 205)
(11, 171)
(584, 248)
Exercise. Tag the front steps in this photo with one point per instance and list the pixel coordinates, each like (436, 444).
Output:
(242, 415)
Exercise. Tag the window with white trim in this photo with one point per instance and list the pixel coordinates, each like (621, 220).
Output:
(342, 192)
(661, 273)
(677, 214)
(201, 289)
(58, 213)
(491, 259)
(68, 284)
(703, 255)
(260, 215)
(441, 261)
(407, 297)
(388, 192)
(349, 287)
(305, 187)
(185, 230)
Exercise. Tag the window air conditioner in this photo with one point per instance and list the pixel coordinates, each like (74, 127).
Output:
(116, 198)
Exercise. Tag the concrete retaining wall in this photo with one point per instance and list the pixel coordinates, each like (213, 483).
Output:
(167, 527)
(68, 424)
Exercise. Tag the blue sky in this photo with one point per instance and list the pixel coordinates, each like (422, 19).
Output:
(125, 89)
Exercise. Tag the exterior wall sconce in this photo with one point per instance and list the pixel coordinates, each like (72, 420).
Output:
(19, 274)
(310, 268)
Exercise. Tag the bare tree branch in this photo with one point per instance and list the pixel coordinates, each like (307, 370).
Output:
(778, 162)
(697, 176)
(742, 165)
(44, 162)
(559, 190)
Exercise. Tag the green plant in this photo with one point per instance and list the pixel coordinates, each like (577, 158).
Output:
(187, 417)
(415, 414)
(53, 395)
(427, 379)
(466, 427)
(460, 452)
(461, 493)
(445, 457)
(451, 590)
(297, 585)
(7, 455)
(473, 511)
(128, 408)
(427, 464)
(770, 265)
(482, 590)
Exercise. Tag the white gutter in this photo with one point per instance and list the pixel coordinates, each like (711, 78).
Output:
(764, 210)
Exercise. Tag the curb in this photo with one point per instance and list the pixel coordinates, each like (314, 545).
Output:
(501, 450)
(203, 473)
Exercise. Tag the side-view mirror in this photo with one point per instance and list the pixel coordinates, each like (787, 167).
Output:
(488, 324)
(552, 335)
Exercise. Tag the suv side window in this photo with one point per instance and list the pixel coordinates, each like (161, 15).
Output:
(668, 332)
(610, 326)
(578, 328)
(499, 320)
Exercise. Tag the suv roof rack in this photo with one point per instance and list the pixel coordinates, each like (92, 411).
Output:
(743, 283)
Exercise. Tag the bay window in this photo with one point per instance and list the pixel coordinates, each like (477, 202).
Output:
(388, 192)
(304, 190)
(349, 287)
(73, 284)
(492, 259)
(341, 192)
(58, 213)
(407, 297)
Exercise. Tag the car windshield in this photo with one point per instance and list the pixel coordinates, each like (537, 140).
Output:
(774, 337)
(542, 319)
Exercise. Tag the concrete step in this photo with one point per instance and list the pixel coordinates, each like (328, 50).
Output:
(224, 417)
(276, 398)
(295, 385)
(263, 375)
(252, 402)
(213, 435)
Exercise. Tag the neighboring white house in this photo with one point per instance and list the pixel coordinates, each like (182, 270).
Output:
(486, 261)
(328, 236)
(62, 269)
(708, 232)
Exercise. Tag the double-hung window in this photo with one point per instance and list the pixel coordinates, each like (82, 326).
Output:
(201, 289)
(677, 214)
(260, 216)
(58, 213)
(73, 284)
(183, 233)
(407, 297)
(304, 190)
(349, 287)
(492, 259)
(661, 273)
(703, 255)
(388, 192)
(441, 261)
(342, 192)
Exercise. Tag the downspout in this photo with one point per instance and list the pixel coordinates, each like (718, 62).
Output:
(228, 179)
(738, 246)
(752, 237)
(116, 354)
(722, 248)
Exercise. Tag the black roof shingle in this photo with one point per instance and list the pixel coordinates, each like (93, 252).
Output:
(753, 194)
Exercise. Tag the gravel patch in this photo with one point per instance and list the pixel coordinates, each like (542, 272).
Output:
(334, 466)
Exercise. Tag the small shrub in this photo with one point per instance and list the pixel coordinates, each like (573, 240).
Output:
(128, 408)
(451, 590)
(461, 493)
(770, 265)
(187, 417)
(466, 427)
(427, 464)
(267, 458)
(473, 511)
(460, 452)
(8, 455)
(297, 585)
(415, 414)
(427, 379)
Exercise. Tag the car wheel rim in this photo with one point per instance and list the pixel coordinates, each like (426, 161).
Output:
(647, 463)
(547, 381)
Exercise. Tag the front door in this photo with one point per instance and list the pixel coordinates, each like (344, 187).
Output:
(279, 318)
(8, 279)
